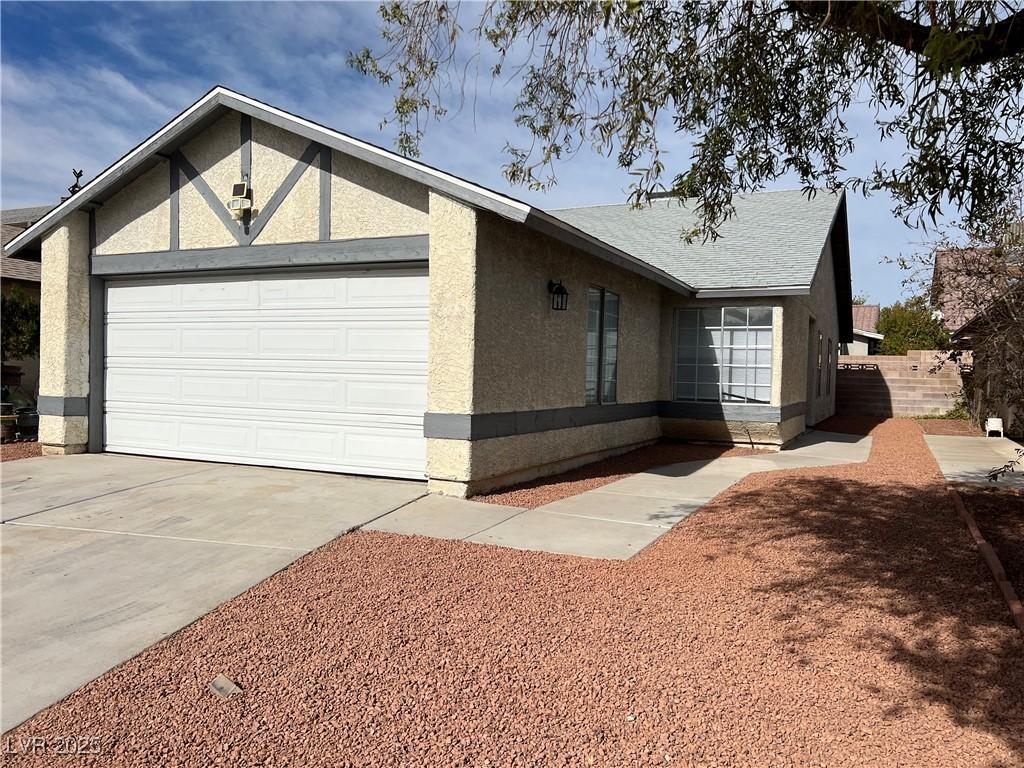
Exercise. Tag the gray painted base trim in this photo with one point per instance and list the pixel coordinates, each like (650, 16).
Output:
(51, 405)
(484, 426)
(375, 250)
(729, 411)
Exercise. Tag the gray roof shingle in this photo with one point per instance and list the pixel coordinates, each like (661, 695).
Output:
(774, 239)
(24, 215)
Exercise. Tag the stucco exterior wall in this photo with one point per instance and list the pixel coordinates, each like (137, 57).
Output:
(138, 218)
(274, 154)
(64, 330)
(531, 357)
(367, 201)
(452, 332)
(463, 468)
(216, 154)
(760, 433)
(824, 318)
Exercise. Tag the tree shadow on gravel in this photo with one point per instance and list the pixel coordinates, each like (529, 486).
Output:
(892, 566)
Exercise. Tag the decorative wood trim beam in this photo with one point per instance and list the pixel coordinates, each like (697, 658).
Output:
(92, 231)
(175, 217)
(367, 252)
(216, 205)
(325, 193)
(245, 129)
(268, 211)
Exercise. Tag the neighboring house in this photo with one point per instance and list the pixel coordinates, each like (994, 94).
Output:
(20, 376)
(308, 334)
(866, 338)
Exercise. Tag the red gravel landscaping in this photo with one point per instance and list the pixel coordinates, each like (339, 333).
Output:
(13, 451)
(544, 490)
(835, 616)
(950, 427)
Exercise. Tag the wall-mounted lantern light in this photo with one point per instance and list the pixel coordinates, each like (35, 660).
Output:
(559, 295)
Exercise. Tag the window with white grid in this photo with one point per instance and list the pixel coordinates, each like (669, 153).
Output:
(724, 355)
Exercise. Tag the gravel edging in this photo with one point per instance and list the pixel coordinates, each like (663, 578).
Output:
(995, 517)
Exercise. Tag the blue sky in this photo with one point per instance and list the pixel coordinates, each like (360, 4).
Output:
(82, 83)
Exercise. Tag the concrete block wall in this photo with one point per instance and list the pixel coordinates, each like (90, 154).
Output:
(889, 385)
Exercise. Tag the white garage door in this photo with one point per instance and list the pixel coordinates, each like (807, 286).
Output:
(309, 371)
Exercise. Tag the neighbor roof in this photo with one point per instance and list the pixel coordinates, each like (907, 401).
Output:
(15, 221)
(774, 240)
(24, 215)
(865, 317)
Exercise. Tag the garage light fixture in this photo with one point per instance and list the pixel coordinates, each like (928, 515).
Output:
(559, 295)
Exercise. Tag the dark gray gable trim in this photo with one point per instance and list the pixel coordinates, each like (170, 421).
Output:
(175, 220)
(364, 251)
(52, 405)
(485, 426)
(92, 231)
(268, 211)
(97, 360)
(325, 193)
(245, 153)
(209, 196)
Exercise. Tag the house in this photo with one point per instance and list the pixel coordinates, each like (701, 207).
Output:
(866, 338)
(301, 330)
(20, 377)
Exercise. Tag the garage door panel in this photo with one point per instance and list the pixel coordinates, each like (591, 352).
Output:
(149, 340)
(323, 372)
(322, 393)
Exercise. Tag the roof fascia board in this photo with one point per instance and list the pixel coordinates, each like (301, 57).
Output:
(869, 334)
(125, 165)
(547, 224)
(767, 291)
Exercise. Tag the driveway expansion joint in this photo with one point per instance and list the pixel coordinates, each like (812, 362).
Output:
(153, 536)
(109, 493)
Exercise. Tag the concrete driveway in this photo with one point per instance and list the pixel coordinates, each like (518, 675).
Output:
(103, 555)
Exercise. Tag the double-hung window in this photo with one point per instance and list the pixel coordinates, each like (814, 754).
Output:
(602, 345)
(724, 355)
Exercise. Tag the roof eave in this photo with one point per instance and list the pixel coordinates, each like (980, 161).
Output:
(753, 291)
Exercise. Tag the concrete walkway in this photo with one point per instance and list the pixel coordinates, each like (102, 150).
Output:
(968, 459)
(617, 520)
(103, 555)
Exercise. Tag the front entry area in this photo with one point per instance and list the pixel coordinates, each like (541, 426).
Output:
(315, 370)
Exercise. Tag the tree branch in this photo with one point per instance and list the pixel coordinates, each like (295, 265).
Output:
(987, 43)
